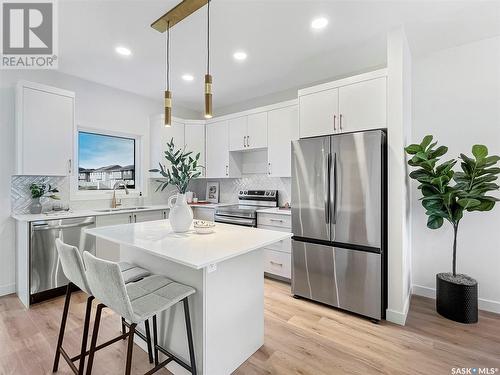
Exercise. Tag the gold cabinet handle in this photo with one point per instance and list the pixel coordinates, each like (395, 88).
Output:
(276, 264)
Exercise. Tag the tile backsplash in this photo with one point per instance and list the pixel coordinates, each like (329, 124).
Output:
(229, 188)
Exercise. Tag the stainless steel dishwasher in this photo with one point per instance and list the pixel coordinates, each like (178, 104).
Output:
(47, 278)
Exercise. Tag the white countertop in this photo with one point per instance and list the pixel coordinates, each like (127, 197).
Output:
(275, 210)
(190, 249)
(99, 212)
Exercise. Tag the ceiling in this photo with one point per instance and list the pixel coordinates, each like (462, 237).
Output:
(283, 51)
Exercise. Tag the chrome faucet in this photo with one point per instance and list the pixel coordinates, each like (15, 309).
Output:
(114, 202)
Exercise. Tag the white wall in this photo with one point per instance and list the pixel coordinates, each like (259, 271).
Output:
(456, 97)
(398, 133)
(98, 105)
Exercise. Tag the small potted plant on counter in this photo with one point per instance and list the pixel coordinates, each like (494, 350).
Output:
(446, 196)
(183, 168)
(38, 191)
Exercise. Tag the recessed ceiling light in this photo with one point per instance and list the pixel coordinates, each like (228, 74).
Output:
(124, 51)
(240, 55)
(319, 23)
(187, 77)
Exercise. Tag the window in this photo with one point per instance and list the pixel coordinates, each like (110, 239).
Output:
(105, 159)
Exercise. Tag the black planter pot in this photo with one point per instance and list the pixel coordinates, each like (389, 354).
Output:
(457, 300)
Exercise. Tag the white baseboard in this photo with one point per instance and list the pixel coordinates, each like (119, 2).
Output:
(484, 304)
(7, 289)
(399, 317)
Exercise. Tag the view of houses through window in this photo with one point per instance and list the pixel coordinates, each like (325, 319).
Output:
(103, 160)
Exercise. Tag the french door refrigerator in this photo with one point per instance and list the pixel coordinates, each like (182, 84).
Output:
(339, 221)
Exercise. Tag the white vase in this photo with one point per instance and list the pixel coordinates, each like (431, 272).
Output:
(181, 215)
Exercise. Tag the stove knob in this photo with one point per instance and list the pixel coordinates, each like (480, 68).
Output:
(246, 192)
(267, 193)
(241, 192)
(272, 192)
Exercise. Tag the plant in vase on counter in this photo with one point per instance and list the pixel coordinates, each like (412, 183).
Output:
(39, 191)
(456, 294)
(183, 168)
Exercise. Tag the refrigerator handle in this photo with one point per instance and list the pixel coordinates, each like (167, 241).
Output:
(327, 187)
(334, 219)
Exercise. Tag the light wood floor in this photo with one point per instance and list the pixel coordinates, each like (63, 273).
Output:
(301, 338)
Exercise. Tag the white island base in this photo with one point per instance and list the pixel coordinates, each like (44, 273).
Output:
(227, 311)
(225, 268)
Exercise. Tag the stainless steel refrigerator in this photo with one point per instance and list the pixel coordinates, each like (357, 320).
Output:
(339, 221)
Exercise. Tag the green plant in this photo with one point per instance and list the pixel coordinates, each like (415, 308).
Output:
(444, 200)
(42, 190)
(183, 168)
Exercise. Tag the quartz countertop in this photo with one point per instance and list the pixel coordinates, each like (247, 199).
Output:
(275, 210)
(98, 212)
(190, 249)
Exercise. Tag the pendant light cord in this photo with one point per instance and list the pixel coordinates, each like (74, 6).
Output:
(208, 37)
(168, 55)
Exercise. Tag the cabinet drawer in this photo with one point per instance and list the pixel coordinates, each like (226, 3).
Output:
(283, 221)
(277, 263)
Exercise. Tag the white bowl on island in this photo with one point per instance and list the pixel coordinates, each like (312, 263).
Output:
(203, 226)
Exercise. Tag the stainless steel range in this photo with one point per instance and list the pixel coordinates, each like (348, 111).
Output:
(245, 212)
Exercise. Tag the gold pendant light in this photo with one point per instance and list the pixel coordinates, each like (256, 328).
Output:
(208, 77)
(168, 93)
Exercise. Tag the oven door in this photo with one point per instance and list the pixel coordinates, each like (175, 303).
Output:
(247, 222)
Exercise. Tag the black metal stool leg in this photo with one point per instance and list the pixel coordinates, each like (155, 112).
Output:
(123, 327)
(189, 336)
(93, 343)
(148, 339)
(155, 340)
(63, 327)
(130, 348)
(86, 324)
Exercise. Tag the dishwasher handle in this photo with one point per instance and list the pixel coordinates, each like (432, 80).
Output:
(58, 227)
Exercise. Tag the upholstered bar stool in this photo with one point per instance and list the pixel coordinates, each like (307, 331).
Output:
(73, 268)
(136, 302)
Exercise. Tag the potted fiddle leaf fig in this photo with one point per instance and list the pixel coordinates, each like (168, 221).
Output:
(183, 168)
(446, 196)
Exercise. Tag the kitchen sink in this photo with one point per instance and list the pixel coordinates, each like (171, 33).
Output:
(121, 209)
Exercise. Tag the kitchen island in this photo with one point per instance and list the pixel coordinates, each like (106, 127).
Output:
(225, 268)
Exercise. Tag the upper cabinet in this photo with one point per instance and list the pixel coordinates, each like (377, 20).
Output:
(45, 125)
(283, 128)
(195, 141)
(351, 104)
(160, 135)
(248, 132)
(217, 144)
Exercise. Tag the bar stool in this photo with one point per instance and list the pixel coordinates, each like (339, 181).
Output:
(72, 265)
(136, 302)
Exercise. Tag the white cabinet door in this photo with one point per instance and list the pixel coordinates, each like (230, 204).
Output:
(318, 112)
(257, 130)
(363, 105)
(45, 130)
(238, 133)
(159, 137)
(195, 142)
(283, 127)
(204, 213)
(143, 216)
(106, 249)
(217, 149)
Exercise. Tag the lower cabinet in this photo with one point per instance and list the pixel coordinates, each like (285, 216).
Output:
(204, 213)
(278, 256)
(111, 251)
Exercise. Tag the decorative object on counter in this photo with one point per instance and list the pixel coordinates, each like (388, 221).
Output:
(195, 200)
(38, 191)
(189, 196)
(203, 226)
(456, 294)
(212, 195)
(183, 168)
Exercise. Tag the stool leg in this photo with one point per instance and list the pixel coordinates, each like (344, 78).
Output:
(86, 324)
(63, 327)
(93, 343)
(189, 336)
(155, 340)
(130, 348)
(123, 327)
(148, 337)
